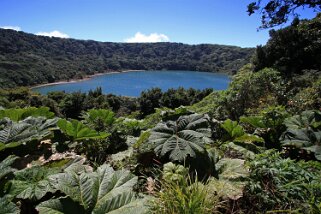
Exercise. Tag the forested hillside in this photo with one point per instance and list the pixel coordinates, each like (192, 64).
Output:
(24, 56)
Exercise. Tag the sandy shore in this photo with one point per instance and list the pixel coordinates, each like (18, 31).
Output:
(80, 80)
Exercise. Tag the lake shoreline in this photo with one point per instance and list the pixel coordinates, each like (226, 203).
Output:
(83, 79)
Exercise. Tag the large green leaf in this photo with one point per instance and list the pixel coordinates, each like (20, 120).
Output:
(16, 133)
(102, 191)
(22, 113)
(304, 120)
(255, 121)
(232, 128)
(180, 139)
(99, 118)
(32, 183)
(230, 183)
(63, 205)
(78, 131)
(173, 172)
(303, 132)
(7, 207)
(5, 166)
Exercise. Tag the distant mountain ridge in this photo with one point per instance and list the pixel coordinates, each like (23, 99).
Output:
(27, 59)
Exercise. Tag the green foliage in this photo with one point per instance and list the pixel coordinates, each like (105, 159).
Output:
(307, 94)
(304, 132)
(15, 134)
(181, 139)
(248, 91)
(233, 129)
(143, 138)
(130, 126)
(292, 49)
(99, 119)
(32, 183)
(149, 100)
(77, 131)
(278, 12)
(182, 195)
(207, 104)
(102, 191)
(232, 174)
(174, 173)
(282, 184)
(236, 139)
(8, 207)
(269, 125)
(20, 114)
(72, 104)
(5, 171)
(5, 166)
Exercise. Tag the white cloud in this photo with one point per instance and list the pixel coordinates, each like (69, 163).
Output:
(16, 28)
(153, 37)
(54, 33)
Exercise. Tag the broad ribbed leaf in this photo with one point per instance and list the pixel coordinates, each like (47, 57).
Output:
(105, 115)
(230, 184)
(20, 114)
(249, 138)
(135, 206)
(232, 128)
(102, 191)
(231, 169)
(78, 131)
(7, 207)
(17, 133)
(5, 166)
(305, 119)
(255, 121)
(303, 132)
(32, 183)
(181, 139)
(60, 206)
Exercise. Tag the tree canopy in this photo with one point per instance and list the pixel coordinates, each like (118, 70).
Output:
(276, 12)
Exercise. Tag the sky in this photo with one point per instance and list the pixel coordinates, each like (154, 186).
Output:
(186, 21)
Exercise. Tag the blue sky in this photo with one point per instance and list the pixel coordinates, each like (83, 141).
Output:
(186, 21)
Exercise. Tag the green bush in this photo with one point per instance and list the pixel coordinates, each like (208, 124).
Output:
(282, 184)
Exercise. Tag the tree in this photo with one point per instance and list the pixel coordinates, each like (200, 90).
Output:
(276, 12)
(149, 100)
(292, 49)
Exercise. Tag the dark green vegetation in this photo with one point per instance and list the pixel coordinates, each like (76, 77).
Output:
(276, 12)
(24, 56)
(253, 148)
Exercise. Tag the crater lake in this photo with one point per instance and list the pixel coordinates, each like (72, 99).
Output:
(132, 83)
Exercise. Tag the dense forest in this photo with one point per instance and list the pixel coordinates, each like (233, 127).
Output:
(24, 56)
(253, 148)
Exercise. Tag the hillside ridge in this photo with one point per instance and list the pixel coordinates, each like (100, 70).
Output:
(24, 56)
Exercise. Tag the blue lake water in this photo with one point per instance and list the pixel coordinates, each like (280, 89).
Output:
(134, 82)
